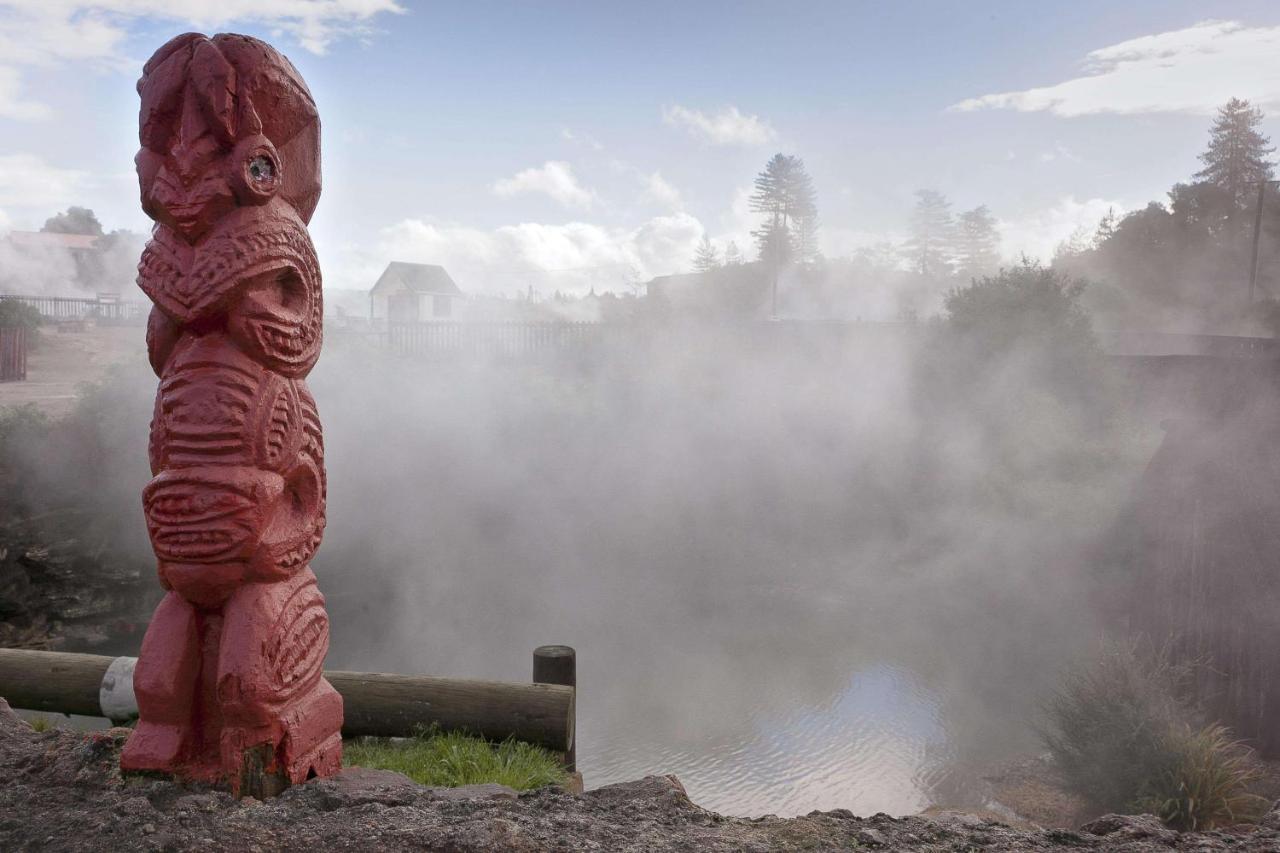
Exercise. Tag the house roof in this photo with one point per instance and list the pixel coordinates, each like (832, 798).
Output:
(419, 278)
(51, 240)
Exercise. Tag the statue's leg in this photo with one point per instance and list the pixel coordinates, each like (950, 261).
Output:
(165, 684)
(281, 719)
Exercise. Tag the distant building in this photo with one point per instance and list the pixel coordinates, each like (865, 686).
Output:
(50, 241)
(408, 293)
(740, 290)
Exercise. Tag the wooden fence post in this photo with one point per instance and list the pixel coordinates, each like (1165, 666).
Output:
(559, 665)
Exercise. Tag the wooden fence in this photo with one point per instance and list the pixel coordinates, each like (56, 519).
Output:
(376, 704)
(103, 308)
(13, 353)
(492, 339)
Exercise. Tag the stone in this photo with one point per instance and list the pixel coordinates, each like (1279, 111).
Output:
(1130, 828)
(229, 682)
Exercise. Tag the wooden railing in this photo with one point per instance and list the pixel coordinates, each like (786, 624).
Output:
(103, 309)
(491, 339)
(376, 704)
(13, 353)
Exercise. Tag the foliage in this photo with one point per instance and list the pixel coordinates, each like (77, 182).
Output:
(1126, 741)
(15, 313)
(784, 193)
(1022, 304)
(732, 255)
(76, 220)
(929, 251)
(977, 243)
(1207, 782)
(451, 759)
(1236, 159)
(1183, 265)
(706, 258)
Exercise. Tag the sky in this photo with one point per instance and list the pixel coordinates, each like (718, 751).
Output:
(593, 144)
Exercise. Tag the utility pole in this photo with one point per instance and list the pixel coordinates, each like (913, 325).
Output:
(1257, 237)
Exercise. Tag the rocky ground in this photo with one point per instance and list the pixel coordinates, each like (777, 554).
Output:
(60, 590)
(61, 790)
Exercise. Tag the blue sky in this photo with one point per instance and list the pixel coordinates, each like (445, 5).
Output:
(602, 139)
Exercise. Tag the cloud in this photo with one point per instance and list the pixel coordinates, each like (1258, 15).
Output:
(554, 178)
(572, 257)
(28, 181)
(12, 104)
(658, 189)
(585, 139)
(1192, 70)
(47, 34)
(1059, 152)
(727, 127)
(1038, 234)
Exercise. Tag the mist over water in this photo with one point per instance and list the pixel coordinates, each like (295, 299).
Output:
(794, 579)
(805, 566)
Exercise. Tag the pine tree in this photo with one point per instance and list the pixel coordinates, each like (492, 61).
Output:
(784, 194)
(1106, 228)
(1236, 158)
(732, 255)
(705, 259)
(977, 243)
(929, 250)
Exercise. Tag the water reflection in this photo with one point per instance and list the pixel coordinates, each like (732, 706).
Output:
(877, 747)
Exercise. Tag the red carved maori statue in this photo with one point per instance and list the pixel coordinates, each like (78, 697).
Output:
(229, 682)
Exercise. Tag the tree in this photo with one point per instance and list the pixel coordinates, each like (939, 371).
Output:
(1236, 158)
(76, 220)
(732, 255)
(1106, 228)
(705, 259)
(929, 249)
(977, 242)
(784, 194)
(1077, 243)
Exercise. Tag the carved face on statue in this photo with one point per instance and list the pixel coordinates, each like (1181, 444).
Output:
(231, 188)
(229, 169)
(206, 146)
(229, 681)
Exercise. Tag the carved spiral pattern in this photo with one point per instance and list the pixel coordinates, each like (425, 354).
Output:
(229, 170)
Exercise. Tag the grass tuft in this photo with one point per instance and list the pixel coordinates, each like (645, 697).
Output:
(1125, 742)
(1207, 782)
(450, 759)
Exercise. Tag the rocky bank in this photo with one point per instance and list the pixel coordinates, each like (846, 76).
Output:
(62, 790)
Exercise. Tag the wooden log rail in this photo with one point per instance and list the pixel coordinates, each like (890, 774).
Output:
(375, 703)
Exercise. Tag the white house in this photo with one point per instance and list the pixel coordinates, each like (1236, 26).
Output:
(409, 293)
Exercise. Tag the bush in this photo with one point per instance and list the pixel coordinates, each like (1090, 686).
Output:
(15, 313)
(454, 758)
(1126, 742)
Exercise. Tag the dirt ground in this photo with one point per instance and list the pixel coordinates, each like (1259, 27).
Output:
(68, 355)
(62, 790)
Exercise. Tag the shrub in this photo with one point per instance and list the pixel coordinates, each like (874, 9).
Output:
(15, 313)
(1125, 741)
(451, 759)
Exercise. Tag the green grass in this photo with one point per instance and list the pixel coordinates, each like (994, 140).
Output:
(453, 758)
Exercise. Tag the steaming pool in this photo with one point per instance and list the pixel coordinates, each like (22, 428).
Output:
(878, 746)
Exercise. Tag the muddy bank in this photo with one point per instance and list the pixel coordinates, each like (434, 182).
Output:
(61, 790)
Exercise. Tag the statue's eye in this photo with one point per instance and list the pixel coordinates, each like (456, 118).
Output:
(261, 168)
